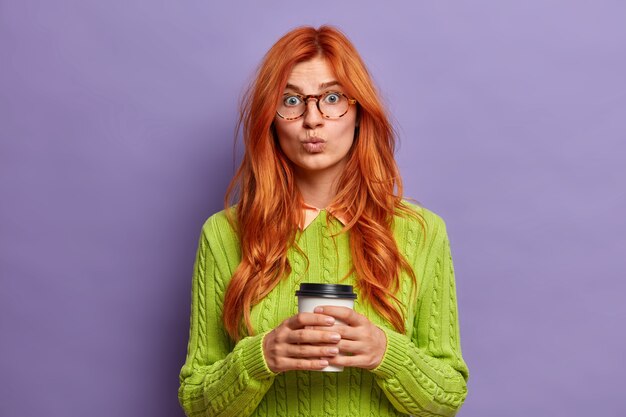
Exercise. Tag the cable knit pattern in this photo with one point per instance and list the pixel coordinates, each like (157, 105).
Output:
(298, 264)
(433, 333)
(408, 251)
(327, 249)
(304, 387)
(202, 268)
(355, 391)
(330, 393)
(281, 396)
(452, 325)
(422, 372)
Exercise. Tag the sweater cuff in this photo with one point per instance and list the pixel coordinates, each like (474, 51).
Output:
(395, 359)
(254, 359)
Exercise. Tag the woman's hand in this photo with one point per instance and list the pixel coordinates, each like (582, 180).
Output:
(365, 342)
(291, 346)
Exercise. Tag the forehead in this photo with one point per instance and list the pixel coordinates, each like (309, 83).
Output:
(310, 74)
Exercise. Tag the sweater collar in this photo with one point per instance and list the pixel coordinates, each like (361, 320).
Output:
(311, 213)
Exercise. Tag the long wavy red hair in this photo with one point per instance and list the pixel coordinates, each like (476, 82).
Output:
(269, 202)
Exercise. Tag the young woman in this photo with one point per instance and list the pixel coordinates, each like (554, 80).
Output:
(319, 200)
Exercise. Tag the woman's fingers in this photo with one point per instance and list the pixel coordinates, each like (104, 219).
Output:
(313, 336)
(311, 341)
(362, 344)
(352, 347)
(310, 351)
(346, 332)
(301, 320)
(345, 314)
(361, 360)
(292, 345)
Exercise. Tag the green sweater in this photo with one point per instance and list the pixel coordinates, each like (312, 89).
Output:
(422, 372)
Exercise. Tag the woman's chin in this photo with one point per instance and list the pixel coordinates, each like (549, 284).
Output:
(319, 167)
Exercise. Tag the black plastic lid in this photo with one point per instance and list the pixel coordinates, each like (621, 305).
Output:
(326, 291)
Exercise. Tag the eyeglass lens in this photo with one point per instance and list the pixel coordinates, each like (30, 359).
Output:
(331, 104)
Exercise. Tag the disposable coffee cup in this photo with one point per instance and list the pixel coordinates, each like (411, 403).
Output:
(315, 295)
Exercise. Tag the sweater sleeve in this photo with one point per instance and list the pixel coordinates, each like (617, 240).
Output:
(425, 375)
(215, 381)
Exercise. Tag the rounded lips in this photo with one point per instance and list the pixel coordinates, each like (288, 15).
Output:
(313, 140)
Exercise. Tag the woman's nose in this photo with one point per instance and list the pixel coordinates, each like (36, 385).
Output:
(312, 116)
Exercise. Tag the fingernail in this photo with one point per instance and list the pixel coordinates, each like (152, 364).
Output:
(323, 363)
(335, 336)
(318, 310)
(330, 320)
(333, 351)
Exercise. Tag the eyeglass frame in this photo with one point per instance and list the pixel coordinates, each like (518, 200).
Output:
(317, 98)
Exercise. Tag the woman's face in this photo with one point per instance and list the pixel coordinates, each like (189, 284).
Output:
(313, 143)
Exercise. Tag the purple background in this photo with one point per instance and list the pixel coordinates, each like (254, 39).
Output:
(116, 126)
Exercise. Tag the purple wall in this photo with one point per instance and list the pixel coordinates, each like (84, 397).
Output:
(116, 127)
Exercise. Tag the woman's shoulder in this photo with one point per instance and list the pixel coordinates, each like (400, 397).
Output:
(218, 227)
(428, 223)
(420, 215)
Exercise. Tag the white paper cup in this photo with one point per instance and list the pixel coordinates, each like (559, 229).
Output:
(314, 295)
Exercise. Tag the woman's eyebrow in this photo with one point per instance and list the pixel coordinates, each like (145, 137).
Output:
(294, 88)
(322, 86)
(329, 84)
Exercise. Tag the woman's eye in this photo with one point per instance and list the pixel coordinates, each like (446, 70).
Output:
(291, 100)
(332, 98)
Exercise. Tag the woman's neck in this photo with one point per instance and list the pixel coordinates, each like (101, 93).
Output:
(318, 189)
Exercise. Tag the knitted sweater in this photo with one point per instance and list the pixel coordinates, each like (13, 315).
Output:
(422, 372)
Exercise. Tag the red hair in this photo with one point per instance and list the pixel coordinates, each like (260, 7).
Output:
(269, 202)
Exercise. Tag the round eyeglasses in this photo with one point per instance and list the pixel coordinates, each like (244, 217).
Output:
(331, 104)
